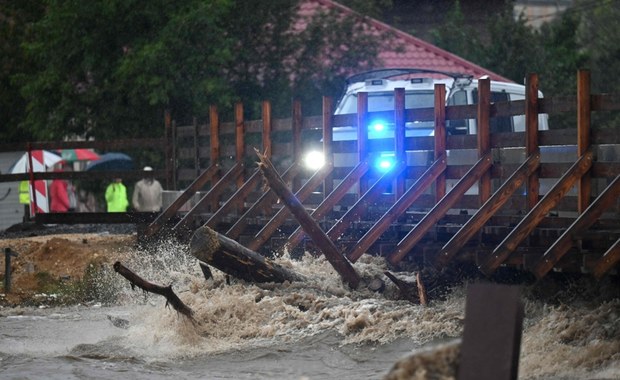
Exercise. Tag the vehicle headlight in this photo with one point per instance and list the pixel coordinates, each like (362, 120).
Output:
(314, 160)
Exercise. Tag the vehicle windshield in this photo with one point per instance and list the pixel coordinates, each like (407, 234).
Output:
(384, 101)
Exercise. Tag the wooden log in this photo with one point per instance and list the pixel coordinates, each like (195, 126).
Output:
(233, 258)
(412, 292)
(171, 298)
(335, 258)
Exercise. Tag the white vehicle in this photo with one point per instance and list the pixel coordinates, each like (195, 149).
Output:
(419, 87)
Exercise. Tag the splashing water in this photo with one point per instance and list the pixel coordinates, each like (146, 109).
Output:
(313, 329)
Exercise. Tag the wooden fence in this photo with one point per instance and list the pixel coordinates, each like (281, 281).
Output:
(523, 213)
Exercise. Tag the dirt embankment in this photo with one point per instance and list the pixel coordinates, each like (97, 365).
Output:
(49, 259)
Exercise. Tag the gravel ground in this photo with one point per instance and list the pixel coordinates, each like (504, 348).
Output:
(32, 229)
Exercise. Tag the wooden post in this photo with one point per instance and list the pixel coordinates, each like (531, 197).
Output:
(196, 131)
(583, 136)
(239, 140)
(328, 137)
(362, 136)
(175, 174)
(531, 136)
(267, 128)
(169, 156)
(297, 148)
(329, 249)
(484, 134)
(399, 137)
(214, 137)
(492, 333)
(440, 137)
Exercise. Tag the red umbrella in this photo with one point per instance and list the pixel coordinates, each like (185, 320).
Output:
(71, 155)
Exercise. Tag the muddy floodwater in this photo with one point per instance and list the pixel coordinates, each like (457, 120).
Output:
(318, 329)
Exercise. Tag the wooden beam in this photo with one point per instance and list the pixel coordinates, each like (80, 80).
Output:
(211, 196)
(484, 135)
(270, 227)
(602, 203)
(531, 220)
(360, 207)
(531, 136)
(401, 205)
(441, 208)
(238, 198)
(399, 137)
(267, 128)
(492, 333)
(584, 188)
(329, 249)
(330, 201)
(174, 207)
(440, 137)
(266, 199)
(362, 136)
(488, 209)
(609, 259)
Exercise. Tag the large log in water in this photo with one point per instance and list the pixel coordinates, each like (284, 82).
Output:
(233, 258)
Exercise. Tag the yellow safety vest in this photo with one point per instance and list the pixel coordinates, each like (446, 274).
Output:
(24, 192)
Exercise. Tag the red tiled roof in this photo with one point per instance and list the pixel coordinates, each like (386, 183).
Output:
(412, 52)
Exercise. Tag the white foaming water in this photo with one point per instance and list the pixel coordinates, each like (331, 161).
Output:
(317, 329)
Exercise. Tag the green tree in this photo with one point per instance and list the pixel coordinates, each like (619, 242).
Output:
(109, 68)
(16, 18)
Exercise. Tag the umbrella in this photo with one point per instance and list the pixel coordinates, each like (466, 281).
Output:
(21, 166)
(71, 155)
(110, 162)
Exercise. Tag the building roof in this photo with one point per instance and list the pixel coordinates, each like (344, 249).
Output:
(405, 51)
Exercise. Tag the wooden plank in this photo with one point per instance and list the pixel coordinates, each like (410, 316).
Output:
(483, 134)
(169, 154)
(328, 137)
(276, 221)
(238, 198)
(335, 258)
(441, 208)
(330, 201)
(360, 207)
(399, 136)
(297, 148)
(196, 150)
(362, 136)
(492, 333)
(266, 110)
(440, 137)
(268, 198)
(602, 203)
(214, 126)
(174, 207)
(239, 141)
(531, 136)
(488, 209)
(584, 189)
(609, 259)
(398, 209)
(531, 220)
(211, 197)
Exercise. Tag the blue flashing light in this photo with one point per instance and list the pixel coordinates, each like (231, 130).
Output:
(378, 126)
(385, 163)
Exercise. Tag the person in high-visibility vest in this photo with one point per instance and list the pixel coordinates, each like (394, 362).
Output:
(116, 196)
(24, 198)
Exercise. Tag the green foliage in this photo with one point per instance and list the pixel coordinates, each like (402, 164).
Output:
(109, 68)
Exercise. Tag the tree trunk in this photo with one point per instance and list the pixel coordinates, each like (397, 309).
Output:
(233, 258)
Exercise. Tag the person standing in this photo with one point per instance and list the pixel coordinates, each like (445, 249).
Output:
(24, 198)
(116, 196)
(62, 195)
(147, 194)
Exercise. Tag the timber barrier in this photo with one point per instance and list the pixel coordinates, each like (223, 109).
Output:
(537, 200)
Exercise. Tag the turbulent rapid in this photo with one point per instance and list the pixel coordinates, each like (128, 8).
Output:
(317, 329)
